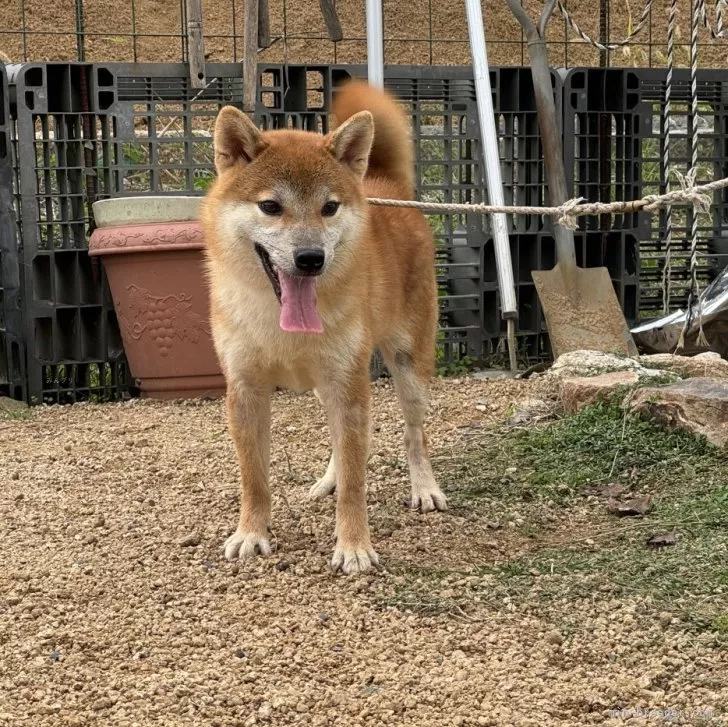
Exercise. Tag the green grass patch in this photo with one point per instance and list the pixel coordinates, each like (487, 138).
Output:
(558, 460)
(7, 415)
(569, 550)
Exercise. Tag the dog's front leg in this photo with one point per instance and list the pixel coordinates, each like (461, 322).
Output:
(347, 399)
(248, 410)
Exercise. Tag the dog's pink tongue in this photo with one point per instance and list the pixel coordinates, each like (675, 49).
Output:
(298, 304)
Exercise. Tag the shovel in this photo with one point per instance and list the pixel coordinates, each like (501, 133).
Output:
(580, 306)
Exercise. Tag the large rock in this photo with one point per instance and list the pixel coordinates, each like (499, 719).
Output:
(581, 391)
(594, 363)
(708, 364)
(699, 406)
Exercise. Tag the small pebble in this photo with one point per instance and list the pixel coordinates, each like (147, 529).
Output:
(554, 637)
(191, 541)
(103, 703)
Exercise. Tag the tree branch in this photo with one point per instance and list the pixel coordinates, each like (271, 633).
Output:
(545, 17)
(522, 17)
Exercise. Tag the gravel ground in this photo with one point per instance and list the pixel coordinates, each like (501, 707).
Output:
(116, 607)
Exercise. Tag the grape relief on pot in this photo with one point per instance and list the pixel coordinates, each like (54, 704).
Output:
(178, 234)
(162, 318)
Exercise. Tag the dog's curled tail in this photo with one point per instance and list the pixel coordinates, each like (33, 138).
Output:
(392, 154)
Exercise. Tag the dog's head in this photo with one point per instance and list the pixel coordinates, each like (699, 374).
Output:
(296, 198)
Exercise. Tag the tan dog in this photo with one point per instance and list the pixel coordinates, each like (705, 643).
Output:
(306, 280)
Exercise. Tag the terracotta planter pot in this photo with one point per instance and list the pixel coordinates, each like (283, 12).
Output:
(152, 251)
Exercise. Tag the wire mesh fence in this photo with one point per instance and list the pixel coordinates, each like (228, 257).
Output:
(417, 32)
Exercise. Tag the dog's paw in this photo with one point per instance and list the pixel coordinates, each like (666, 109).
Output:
(353, 560)
(243, 545)
(323, 488)
(428, 499)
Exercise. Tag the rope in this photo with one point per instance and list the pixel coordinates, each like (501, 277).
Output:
(694, 290)
(667, 268)
(719, 32)
(698, 196)
(720, 6)
(644, 17)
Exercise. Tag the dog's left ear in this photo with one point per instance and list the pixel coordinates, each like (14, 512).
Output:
(351, 143)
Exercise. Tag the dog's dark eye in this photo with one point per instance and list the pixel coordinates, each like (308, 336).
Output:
(329, 209)
(270, 207)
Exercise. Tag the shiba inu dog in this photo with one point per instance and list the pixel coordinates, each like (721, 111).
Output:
(306, 280)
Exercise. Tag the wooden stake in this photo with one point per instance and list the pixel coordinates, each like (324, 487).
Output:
(328, 10)
(195, 44)
(250, 55)
(264, 24)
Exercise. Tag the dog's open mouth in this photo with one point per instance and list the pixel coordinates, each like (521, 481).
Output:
(297, 296)
(270, 271)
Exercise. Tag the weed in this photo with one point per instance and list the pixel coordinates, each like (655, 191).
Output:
(457, 367)
(15, 414)
(721, 624)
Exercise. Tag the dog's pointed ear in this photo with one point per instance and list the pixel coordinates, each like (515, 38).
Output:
(351, 143)
(236, 139)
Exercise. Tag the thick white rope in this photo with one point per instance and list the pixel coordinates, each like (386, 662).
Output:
(698, 196)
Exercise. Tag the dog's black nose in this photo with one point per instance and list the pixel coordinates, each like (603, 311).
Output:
(309, 260)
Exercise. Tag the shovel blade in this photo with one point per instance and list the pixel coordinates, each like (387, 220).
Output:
(582, 311)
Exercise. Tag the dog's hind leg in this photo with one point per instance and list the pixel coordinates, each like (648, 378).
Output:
(249, 424)
(411, 382)
(327, 484)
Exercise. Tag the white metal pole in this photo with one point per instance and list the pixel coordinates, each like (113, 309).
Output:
(375, 43)
(491, 160)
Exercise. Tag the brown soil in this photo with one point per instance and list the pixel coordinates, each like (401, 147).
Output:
(417, 32)
(116, 607)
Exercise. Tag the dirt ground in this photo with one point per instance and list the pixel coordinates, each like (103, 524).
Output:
(417, 32)
(117, 608)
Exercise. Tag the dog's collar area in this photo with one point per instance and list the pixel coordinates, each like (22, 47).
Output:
(269, 270)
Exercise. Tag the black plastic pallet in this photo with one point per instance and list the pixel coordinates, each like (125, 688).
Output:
(62, 149)
(85, 132)
(12, 338)
(477, 305)
(617, 120)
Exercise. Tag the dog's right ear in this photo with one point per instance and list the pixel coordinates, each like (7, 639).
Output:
(236, 139)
